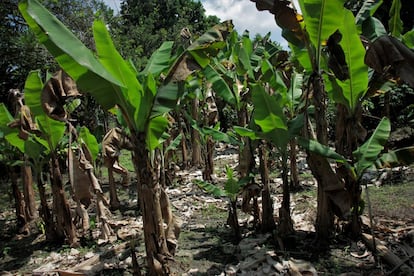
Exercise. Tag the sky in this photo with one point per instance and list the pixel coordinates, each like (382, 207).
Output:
(244, 14)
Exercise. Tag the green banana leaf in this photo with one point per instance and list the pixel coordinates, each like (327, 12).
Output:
(269, 113)
(166, 99)
(174, 144)
(408, 39)
(246, 132)
(52, 130)
(368, 153)
(131, 91)
(35, 150)
(395, 23)
(210, 43)
(156, 128)
(372, 28)
(220, 86)
(14, 140)
(210, 188)
(322, 19)
(231, 186)
(72, 55)
(5, 119)
(394, 158)
(10, 134)
(295, 91)
(369, 7)
(160, 60)
(90, 141)
(354, 88)
(33, 91)
(322, 150)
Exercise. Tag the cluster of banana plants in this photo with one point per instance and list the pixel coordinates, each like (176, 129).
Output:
(278, 100)
(142, 98)
(325, 39)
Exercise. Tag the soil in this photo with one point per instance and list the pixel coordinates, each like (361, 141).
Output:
(206, 245)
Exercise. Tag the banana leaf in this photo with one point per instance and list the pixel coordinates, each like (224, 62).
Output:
(72, 55)
(90, 141)
(368, 153)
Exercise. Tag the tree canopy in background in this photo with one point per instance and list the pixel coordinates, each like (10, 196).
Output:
(20, 52)
(144, 25)
(140, 29)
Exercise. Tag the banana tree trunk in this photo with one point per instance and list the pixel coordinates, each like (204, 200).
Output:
(208, 159)
(195, 136)
(268, 222)
(323, 174)
(294, 173)
(45, 213)
(113, 196)
(151, 197)
(28, 192)
(320, 168)
(246, 158)
(349, 134)
(64, 225)
(233, 221)
(285, 225)
(19, 205)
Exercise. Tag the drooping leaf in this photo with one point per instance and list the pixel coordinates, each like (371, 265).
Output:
(90, 141)
(395, 158)
(210, 188)
(320, 149)
(372, 28)
(166, 99)
(174, 144)
(246, 132)
(35, 150)
(208, 45)
(14, 140)
(367, 10)
(218, 135)
(5, 119)
(156, 128)
(220, 86)
(368, 153)
(160, 60)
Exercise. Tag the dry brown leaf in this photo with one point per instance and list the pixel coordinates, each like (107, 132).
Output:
(55, 92)
(388, 51)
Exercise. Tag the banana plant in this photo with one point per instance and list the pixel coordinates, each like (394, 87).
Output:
(325, 41)
(37, 148)
(143, 99)
(232, 188)
(242, 62)
(274, 126)
(365, 157)
(12, 157)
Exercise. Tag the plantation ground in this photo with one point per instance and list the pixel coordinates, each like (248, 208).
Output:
(206, 243)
